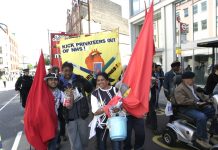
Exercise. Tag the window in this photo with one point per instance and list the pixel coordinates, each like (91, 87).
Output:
(185, 12)
(0, 50)
(187, 28)
(204, 6)
(204, 24)
(195, 9)
(216, 21)
(177, 14)
(195, 27)
(1, 60)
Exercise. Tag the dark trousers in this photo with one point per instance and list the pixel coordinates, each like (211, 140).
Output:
(62, 124)
(102, 136)
(151, 119)
(4, 82)
(201, 116)
(138, 125)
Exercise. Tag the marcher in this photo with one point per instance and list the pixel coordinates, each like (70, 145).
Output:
(198, 106)
(76, 117)
(61, 120)
(159, 74)
(188, 68)
(4, 79)
(23, 85)
(99, 98)
(151, 119)
(52, 82)
(212, 81)
(170, 80)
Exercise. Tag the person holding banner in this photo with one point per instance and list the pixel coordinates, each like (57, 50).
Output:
(76, 117)
(99, 98)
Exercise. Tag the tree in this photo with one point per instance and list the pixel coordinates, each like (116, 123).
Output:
(30, 66)
(47, 61)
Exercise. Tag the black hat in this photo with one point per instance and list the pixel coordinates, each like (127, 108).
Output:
(188, 75)
(26, 70)
(175, 64)
(51, 76)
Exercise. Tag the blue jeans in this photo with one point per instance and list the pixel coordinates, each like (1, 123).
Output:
(201, 116)
(138, 125)
(101, 136)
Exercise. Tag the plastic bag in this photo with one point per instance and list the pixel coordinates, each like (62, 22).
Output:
(169, 109)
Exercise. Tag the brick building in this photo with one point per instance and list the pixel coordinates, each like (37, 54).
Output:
(105, 15)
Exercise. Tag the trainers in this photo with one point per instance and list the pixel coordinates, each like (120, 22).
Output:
(203, 144)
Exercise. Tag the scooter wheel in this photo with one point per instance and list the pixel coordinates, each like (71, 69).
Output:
(169, 137)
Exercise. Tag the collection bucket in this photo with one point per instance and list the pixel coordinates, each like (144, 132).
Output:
(117, 128)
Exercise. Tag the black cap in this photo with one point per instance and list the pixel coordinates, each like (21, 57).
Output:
(188, 75)
(175, 64)
(51, 76)
(26, 70)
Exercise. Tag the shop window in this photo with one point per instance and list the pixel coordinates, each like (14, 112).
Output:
(195, 9)
(185, 12)
(195, 26)
(204, 6)
(204, 24)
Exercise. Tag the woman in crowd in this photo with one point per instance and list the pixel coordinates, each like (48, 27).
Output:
(99, 98)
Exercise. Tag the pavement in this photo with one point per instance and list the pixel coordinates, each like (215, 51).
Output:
(9, 85)
(12, 136)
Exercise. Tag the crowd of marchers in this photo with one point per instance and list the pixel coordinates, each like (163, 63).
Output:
(74, 95)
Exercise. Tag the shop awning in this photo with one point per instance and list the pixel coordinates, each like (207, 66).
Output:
(213, 43)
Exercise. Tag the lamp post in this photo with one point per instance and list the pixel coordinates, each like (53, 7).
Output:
(4, 29)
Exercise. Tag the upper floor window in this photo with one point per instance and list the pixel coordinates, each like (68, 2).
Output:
(185, 12)
(195, 9)
(204, 6)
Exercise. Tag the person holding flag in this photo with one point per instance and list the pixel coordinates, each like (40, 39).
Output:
(137, 77)
(52, 83)
(99, 98)
(40, 118)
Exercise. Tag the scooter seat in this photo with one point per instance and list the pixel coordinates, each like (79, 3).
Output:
(184, 117)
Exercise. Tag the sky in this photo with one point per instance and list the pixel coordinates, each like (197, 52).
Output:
(30, 20)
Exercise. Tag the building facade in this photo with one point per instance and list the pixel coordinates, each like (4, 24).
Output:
(88, 17)
(179, 25)
(9, 57)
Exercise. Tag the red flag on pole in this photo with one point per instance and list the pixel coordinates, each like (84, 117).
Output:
(40, 119)
(139, 71)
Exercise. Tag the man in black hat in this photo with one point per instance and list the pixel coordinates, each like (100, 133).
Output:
(195, 104)
(23, 85)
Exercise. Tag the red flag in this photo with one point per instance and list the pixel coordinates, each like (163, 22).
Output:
(139, 71)
(40, 119)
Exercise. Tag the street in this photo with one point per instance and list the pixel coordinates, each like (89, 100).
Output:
(13, 137)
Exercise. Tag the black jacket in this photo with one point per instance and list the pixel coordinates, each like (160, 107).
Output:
(80, 109)
(212, 80)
